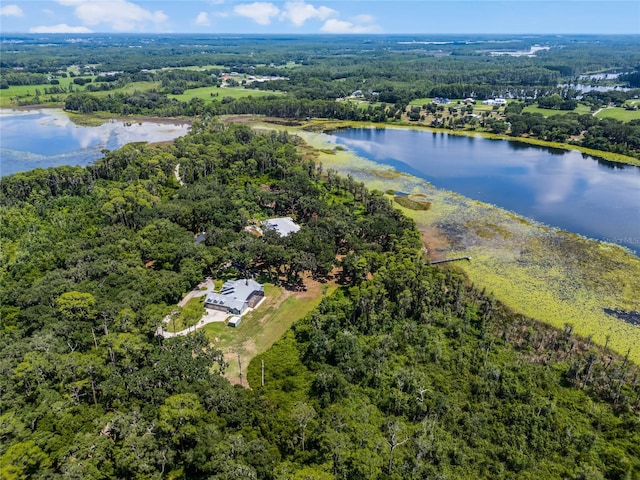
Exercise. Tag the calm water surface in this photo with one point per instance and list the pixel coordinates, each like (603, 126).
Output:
(48, 138)
(560, 188)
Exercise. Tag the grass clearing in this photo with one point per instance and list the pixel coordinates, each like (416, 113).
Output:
(619, 113)
(421, 101)
(188, 315)
(261, 328)
(208, 94)
(12, 96)
(580, 109)
(129, 88)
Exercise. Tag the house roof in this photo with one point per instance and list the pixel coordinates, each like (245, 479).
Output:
(284, 225)
(234, 293)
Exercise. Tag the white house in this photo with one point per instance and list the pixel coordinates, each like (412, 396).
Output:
(284, 226)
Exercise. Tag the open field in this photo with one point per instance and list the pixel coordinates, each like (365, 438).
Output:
(264, 326)
(580, 109)
(420, 101)
(10, 97)
(193, 67)
(618, 113)
(553, 276)
(129, 88)
(208, 94)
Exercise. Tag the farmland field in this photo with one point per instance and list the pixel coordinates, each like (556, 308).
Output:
(208, 94)
(10, 97)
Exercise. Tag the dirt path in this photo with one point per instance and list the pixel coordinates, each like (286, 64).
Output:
(177, 173)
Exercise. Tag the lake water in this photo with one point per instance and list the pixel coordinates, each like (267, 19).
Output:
(563, 189)
(48, 138)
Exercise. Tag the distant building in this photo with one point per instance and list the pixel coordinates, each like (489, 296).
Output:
(284, 226)
(441, 100)
(357, 94)
(495, 101)
(236, 296)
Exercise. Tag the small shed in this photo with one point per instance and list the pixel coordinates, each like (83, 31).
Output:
(234, 321)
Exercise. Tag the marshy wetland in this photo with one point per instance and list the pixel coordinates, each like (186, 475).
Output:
(547, 273)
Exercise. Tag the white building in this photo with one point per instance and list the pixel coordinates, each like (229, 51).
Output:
(284, 226)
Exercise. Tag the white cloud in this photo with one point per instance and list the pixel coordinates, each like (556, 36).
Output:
(60, 28)
(203, 19)
(259, 12)
(299, 12)
(11, 11)
(363, 18)
(120, 15)
(334, 25)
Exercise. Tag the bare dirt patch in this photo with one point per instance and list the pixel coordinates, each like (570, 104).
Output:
(435, 243)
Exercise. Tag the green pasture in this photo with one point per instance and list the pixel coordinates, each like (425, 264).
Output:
(261, 328)
(10, 97)
(208, 94)
(193, 67)
(130, 88)
(619, 113)
(420, 101)
(580, 109)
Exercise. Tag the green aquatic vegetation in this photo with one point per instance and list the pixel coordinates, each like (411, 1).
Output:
(412, 203)
(553, 276)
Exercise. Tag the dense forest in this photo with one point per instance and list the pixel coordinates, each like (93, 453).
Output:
(406, 371)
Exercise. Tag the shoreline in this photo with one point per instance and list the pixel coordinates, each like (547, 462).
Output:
(96, 119)
(553, 276)
(328, 126)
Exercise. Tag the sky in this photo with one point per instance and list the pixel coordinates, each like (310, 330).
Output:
(321, 16)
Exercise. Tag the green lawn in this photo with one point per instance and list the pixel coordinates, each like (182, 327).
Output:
(420, 101)
(580, 109)
(619, 114)
(208, 94)
(189, 315)
(260, 329)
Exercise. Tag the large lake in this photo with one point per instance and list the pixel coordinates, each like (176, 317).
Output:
(48, 138)
(560, 188)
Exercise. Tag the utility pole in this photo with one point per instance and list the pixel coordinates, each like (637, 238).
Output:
(240, 367)
(262, 361)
